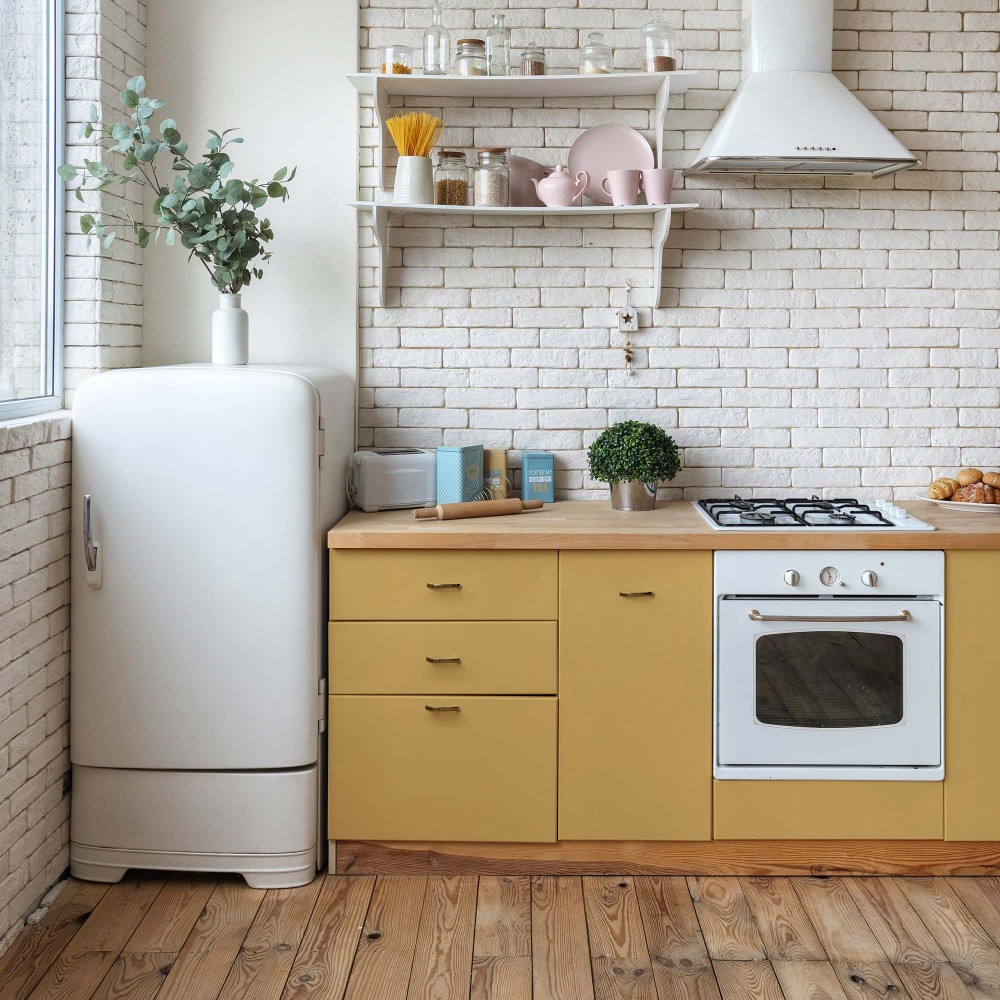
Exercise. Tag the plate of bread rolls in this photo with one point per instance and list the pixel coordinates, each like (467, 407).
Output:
(969, 489)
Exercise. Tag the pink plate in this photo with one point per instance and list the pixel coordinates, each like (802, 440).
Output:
(608, 147)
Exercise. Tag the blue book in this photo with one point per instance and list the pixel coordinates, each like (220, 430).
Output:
(538, 476)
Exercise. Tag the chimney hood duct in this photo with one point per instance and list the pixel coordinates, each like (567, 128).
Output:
(791, 115)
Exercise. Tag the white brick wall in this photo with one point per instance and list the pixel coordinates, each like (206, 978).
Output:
(34, 663)
(105, 45)
(836, 334)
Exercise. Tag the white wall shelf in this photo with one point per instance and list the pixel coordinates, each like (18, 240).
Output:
(660, 86)
(381, 211)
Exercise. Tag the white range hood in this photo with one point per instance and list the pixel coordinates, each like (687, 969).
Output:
(791, 115)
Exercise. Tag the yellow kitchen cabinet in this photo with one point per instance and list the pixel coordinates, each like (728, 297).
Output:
(972, 696)
(828, 810)
(431, 768)
(443, 657)
(440, 585)
(635, 695)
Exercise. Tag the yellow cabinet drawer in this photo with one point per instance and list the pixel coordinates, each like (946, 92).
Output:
(635, 696)
(443, 658)
(399, 771)
(829, 810)
(389, 585)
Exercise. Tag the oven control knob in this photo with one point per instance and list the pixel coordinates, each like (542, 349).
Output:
(791, 578)
(869, 578)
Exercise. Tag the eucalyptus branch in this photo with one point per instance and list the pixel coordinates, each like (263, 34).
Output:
(210, 212)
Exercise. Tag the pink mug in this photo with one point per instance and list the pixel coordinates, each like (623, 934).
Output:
(623, 186)
(658, 185)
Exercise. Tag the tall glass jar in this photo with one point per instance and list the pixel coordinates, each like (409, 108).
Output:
(451, 178)
(498, 48)
(533, 61)
(491, 178)
(595, 56)
(470, 57)
(437, 45)
(660, 45)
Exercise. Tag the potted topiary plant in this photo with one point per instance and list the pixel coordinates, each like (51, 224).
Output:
(632, 457)
(197, 202)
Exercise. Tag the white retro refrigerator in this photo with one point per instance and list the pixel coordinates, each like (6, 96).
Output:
(201, 500)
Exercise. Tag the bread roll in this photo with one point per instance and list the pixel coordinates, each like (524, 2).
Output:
(942, 489)
(969, 476)
(992, 479)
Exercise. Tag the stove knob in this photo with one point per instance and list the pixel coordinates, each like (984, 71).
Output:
(791, 578)
(868, 578)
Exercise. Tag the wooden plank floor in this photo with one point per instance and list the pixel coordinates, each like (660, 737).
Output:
(459, 937)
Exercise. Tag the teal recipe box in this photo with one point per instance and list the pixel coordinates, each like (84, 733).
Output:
(538, 476)
(459, 474)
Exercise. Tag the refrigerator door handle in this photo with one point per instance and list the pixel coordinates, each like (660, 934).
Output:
(91, 549)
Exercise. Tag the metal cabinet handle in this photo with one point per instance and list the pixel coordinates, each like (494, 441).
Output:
(443, 708)
(444, 586)
(903, 616)
(635, 593)
(89, 548)
(443, 659)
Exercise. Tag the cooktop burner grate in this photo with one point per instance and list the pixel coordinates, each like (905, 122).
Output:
(795, 512)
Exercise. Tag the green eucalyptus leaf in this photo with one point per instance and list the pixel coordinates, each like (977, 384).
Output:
(166, 124)
(146, 152)
(66, 171)
(281, 173)
(275, 190)
(137, 85)
(109, 239)
(129, 98)
(92, 114)
(170, 238)
(86, 223)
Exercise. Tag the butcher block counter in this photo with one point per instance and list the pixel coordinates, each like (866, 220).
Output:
(592, 524)
(534, 694)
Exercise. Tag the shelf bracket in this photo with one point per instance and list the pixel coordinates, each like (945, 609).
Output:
(661, 228)
(662, 97)
(380, 226)
(381, 107)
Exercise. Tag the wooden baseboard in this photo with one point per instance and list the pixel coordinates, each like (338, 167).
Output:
(719, 857)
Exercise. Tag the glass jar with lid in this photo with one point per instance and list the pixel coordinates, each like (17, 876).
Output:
(660, 44)
(470, 57)
(533, 61)
(397, 60)
(451, 178)
(491, 178)
(595, 56)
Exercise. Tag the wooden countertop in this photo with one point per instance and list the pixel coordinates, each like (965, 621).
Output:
(592, 524)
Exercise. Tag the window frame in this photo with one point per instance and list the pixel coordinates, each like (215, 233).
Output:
(50, 395)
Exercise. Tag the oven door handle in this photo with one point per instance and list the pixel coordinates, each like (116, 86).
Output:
(903, 616)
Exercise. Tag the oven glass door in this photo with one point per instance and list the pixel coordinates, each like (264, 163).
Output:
(820, 683)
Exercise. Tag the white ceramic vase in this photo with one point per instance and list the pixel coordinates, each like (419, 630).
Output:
(414, 184)
(230, 332)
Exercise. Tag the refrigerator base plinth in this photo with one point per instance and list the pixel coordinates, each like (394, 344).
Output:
(261, 871)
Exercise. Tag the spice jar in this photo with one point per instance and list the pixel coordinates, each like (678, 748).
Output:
(661, 47)
(491, 178)
(451, 178)
(397, 60)
(595, 56)
(533, 61)
(470, 57)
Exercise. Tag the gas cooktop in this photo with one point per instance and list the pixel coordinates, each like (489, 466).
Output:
(799, 513)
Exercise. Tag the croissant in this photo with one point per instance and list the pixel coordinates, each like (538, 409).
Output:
(977, 493)
(942, 489)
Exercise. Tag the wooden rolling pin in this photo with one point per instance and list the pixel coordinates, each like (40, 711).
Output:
(479, 508)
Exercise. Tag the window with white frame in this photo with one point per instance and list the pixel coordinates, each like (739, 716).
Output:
(31, 226)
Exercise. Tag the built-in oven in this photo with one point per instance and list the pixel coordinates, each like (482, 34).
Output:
(829, 665)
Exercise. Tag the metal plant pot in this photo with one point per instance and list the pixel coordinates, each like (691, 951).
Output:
(633, 495)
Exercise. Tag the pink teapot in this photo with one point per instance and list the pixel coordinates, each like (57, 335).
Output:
(560, 189)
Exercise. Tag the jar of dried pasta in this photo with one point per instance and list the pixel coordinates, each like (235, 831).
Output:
(451, 178)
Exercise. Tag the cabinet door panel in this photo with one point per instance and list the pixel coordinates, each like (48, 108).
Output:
(433, 768)
(972, 696)
(635, 694)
